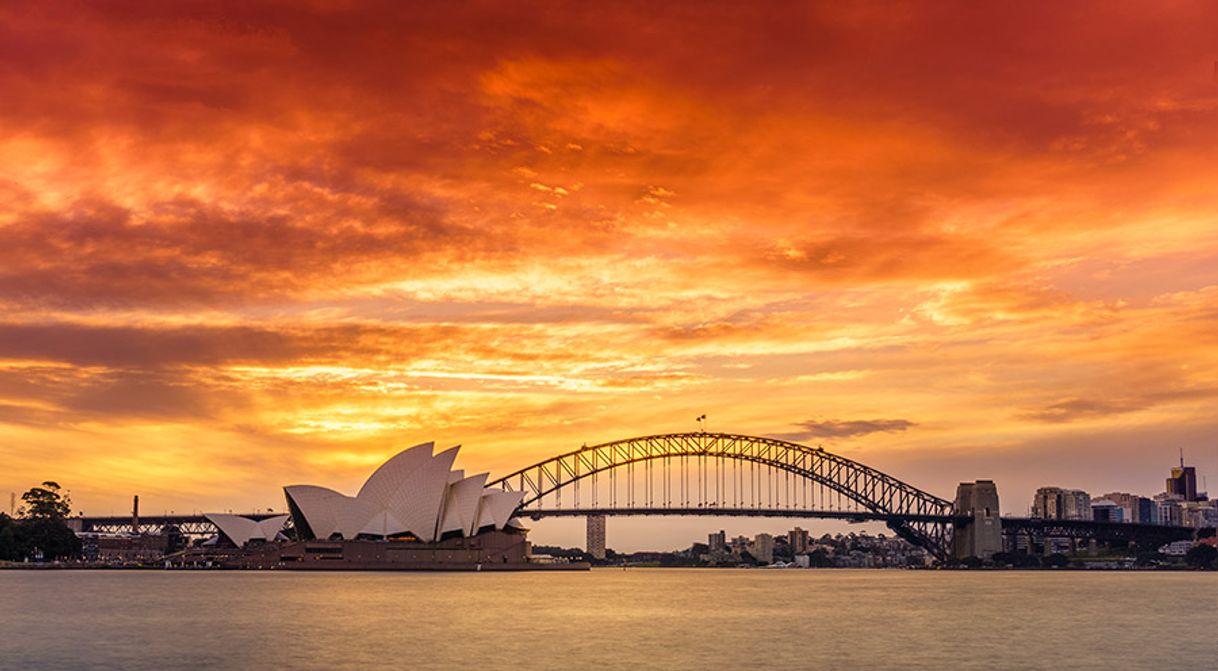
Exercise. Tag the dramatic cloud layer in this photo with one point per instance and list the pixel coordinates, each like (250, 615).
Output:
(240, 242)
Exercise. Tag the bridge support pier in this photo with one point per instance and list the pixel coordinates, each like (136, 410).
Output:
(981, 536)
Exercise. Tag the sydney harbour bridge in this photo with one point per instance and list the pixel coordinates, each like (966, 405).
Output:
(724, 474)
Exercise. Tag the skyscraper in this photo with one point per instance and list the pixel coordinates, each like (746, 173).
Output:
(1055, 503)
(1183, 482)
(596, 536)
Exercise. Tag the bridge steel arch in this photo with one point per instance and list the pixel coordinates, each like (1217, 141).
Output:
(917, 516)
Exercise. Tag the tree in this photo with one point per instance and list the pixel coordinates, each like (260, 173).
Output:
(46, 503)
(43, 527)
(9, 550)
(1206, 532)
(1202, 556)
(1149, 558)
(1056, 560)
(1015, 559)
(818, 558)
(52, 538)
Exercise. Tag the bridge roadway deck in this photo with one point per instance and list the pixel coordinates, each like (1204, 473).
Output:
(712, 511)
(196, 525)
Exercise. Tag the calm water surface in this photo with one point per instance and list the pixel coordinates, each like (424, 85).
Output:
(609, 619)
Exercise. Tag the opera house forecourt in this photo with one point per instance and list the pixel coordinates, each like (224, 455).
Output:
(413, 513)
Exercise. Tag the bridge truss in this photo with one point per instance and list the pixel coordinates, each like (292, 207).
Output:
(705, 473)
(195, 526)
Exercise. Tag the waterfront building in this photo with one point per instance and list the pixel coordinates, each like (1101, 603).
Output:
(126, 548)
(596, 536)
(1057, 503)
(762, 548)
(797, 538)
(717, 542)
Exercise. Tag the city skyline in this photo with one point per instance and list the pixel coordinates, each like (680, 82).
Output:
(260, 244)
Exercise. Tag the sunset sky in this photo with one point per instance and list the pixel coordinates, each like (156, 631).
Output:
(249, 246)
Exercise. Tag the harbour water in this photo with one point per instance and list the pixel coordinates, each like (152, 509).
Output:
(609, 619)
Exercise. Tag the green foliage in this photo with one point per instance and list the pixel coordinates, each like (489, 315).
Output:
(8, 539)
(1016, 559)
(1149, 558)
(1202, 556)
(46, 503)
(52, 538)
(819, 559)
(1206, 532)
(782, 552)
(42, 528)
(1056, 560)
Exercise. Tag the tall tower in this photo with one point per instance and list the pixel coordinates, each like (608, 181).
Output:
(1183, 481)
(596, 536)
(135, 515)
(981, 536)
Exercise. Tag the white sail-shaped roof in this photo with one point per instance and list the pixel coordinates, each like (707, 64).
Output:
(383, 523)
(419, 501)
(461, 505)
(408, 491)
(414, 492)
(496, 508)
(388, 478)
(328, 512)
(241, 530)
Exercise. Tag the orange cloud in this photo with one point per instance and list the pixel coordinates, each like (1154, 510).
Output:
(311, 231)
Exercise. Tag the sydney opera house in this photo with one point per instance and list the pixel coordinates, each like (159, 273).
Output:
(414, 512)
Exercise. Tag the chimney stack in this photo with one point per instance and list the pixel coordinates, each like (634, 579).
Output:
(135, 516)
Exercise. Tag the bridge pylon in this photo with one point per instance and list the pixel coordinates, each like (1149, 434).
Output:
(980, 535)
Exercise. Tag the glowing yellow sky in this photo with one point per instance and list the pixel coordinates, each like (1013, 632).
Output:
(248, 246)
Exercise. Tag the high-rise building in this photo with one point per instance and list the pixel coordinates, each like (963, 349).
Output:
(596, 536)
(798, 540)
(763, 548)
(1056, 503)
(1134, 508)
(1168, 511)
(1103, 510)
(717, 542)
(1183, 482)
(1147, 511)
(1199, 514)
